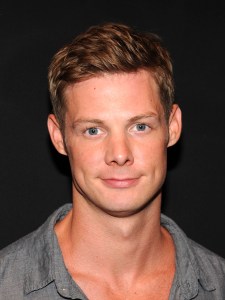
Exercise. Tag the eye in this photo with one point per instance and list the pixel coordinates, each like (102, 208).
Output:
(92, 131)
(141, 127)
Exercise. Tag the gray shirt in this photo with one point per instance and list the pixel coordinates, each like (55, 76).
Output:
(33, 267)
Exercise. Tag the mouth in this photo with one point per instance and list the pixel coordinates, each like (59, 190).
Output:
(120, 183)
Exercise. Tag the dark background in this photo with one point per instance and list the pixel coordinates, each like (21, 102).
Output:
(34, 179)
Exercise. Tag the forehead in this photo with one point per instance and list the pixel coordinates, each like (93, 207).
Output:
(120, 92)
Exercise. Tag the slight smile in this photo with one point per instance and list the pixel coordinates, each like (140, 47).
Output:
(120, 183)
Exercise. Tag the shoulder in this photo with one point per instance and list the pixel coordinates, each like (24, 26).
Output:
(14, 264)
(17, 252)
(208, 260)
(186, 247)
(210, 269)
(27, 262)
(197, 268)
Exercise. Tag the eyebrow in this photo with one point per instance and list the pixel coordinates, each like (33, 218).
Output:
(143, 116)
(100, 122)
(81, 121)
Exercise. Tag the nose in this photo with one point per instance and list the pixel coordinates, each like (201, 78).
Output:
(119, 151)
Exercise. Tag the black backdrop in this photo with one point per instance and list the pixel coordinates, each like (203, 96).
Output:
(34, 179)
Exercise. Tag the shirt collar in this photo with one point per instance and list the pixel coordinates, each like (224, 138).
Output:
(45, 262)
(189, 272)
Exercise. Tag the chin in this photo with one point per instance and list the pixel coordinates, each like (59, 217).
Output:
(123, 210)
(122, 214)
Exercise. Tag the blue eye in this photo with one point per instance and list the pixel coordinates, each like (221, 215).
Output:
(92, 131)
(141, 127)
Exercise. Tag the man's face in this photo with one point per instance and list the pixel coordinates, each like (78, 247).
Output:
(116, 138)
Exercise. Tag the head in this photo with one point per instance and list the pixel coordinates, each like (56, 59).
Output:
(112, 96)
(109, 49)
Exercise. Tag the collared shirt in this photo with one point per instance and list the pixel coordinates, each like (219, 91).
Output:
(33, 267)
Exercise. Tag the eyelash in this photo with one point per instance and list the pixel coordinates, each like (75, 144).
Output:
(88, 130)
(142, 124)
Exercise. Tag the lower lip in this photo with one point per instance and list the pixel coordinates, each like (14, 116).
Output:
(116, 183)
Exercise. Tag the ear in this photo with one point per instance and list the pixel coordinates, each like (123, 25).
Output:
(175, 125)
(56, 134)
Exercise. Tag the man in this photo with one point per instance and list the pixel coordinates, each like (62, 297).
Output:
(114, 116)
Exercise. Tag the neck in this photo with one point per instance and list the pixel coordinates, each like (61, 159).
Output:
(117, 247)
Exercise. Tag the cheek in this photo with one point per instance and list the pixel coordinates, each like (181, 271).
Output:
(84, 157)
(152, 153)
(155, 164)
